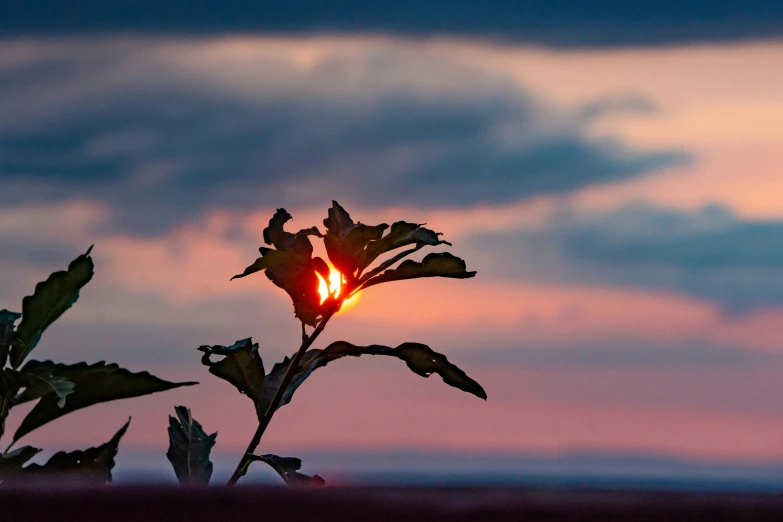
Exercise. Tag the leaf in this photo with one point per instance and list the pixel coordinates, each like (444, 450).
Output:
(282, 240)
(37, 385)
(433, 265)
(189, 448)
(420, 358)
(345, 241)
(288, 469)
(8, 389)
(291, 266)
(13, 461)
(7, 320)
(388, 263)
(93, 465)
(49, 301)
(93, 384)
(241, 366)
(353, 247)
(11, 381)
(272, 382)
(401, 234)
(269, 259)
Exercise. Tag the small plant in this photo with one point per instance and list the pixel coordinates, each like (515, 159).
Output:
(58, 388)
(352, 248)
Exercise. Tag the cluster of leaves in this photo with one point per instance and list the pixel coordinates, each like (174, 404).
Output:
(59, 389)
(352, 248)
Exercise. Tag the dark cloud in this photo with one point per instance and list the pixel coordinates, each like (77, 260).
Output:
(710, 254)
(567, 23)
(160, 145)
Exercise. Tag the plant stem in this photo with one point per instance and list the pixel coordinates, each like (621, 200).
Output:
(264, 421)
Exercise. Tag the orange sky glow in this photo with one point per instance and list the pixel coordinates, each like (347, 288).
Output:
(559, 358)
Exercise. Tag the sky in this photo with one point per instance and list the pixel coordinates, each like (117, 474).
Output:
(610, 170)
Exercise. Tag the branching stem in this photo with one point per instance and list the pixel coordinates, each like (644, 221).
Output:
(264, 421)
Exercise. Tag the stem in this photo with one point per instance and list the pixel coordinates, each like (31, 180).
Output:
(264, 421)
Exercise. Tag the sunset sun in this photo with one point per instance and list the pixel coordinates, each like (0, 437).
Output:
(334, 287)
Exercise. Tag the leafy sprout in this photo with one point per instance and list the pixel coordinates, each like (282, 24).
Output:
(365, 256)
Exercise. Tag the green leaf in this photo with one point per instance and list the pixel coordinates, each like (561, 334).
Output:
(13, 461)
(241, 366)
(292, 267)
(433, 265)
(93, 465)
(420, 358)
(93, 384)
(7, 320)
(288, 469)
(49, 301)
(189, 448)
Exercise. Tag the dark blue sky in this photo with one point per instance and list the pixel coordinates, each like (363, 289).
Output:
(546, 22)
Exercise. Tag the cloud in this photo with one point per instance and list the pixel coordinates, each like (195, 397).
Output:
(710, 254)
(162, 131)
(572, 23)
(623, 353)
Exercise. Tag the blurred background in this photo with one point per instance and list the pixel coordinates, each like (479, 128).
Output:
(612, 170)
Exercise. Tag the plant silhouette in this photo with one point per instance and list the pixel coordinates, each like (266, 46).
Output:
(57, 388)
(352, 248)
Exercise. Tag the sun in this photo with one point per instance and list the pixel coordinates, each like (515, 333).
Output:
(333, 287)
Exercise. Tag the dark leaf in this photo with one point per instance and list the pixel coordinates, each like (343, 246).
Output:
(268, 259)
(433, 265)
(241, 366)
(189, 448)
(388, 263)
(420, 358)
(285, 241)
(7, 320)
(401, 234)
(288, 469)
(93, 384)
(272, 382)
(291, 266)
(8, 389)
(13, 461)
(38, 384)
(11, 381)
(354, 247)
(93, 465)
(49, 301)
(345, 241)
